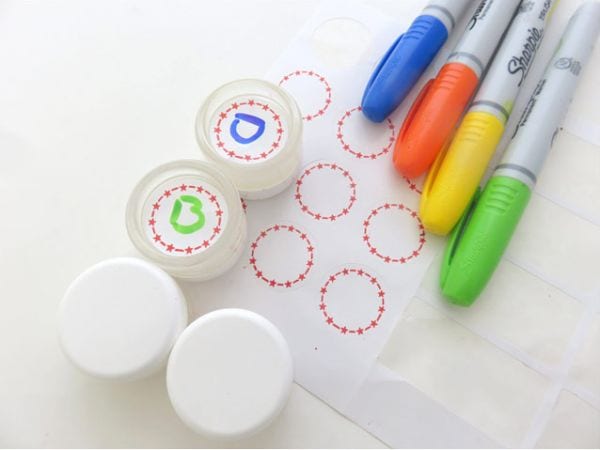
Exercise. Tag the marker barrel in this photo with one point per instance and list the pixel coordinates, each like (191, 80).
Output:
(483, 34)
(513, 60)
(448, 12)
(548, 105)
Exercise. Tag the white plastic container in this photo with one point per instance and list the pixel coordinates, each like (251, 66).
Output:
(120, 318)
(252, 129)
(229, 374)
(187, 217)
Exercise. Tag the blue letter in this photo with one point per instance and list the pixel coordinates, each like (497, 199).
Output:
(257, 121)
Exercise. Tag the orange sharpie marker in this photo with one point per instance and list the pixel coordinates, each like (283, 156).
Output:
(436, 112)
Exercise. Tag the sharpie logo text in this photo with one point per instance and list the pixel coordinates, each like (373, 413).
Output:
(545, 9)
(477, 15)
(520, 64)
(530, 106)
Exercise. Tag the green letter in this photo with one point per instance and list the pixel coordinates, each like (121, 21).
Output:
(196, 208)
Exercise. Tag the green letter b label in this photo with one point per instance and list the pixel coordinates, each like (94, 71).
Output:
(195, 208)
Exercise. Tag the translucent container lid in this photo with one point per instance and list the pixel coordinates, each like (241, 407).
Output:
(252, 130)
(186, 216)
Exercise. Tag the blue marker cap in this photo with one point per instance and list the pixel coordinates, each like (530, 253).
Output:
(402, 65)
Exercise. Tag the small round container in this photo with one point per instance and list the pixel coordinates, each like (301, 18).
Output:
(186, 216)
(229, 374)
(120, 318)
(252, 129)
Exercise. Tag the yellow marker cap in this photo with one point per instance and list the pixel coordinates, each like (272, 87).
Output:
(456, 174)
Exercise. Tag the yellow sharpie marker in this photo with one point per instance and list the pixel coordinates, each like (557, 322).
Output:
(456, 173)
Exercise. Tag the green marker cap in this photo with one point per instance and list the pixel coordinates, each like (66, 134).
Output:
(481, 237)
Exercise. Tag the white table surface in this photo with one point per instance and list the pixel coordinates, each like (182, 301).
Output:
(92, 96)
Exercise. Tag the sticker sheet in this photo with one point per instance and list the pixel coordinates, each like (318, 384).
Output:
(341, 263)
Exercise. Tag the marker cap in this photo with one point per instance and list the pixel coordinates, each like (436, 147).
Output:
(229, 374)
(401, 67)
(252, 129)
(478, 241)
(455, 175)
(430, 123)
(120, 318)
(186, 217)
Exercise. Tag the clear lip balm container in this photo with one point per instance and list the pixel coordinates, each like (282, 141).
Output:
(186, 217)
(252, 130)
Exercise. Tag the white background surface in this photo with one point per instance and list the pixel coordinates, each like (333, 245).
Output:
(92, 96)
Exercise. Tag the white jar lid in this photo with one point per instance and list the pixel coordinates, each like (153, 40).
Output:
(186, 217)
(252, 129)
(229, 374)
(120, 318)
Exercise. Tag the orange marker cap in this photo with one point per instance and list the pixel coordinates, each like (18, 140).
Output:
(432, 118)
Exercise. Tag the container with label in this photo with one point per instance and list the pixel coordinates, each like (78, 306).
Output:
(186, 216)
(252, 130)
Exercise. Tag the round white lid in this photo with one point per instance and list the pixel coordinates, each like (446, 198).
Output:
(229, 374)
(120, 318)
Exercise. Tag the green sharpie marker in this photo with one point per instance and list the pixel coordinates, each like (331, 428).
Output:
(483, 233)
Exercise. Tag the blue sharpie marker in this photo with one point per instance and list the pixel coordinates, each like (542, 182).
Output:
(407, 59)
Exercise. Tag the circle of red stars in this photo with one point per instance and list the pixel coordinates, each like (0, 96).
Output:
(346, 272)
(272, 282)
(357, 153)
(311, 73)
(374, 251)
(170, 247)
(332, 167)
(275, 145)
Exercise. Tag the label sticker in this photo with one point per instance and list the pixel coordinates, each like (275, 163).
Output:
(380, 233)
(352, 301)
(364, 139)
(340, 42)
(326, 191)
(302, 84)
(248, 130)
(277, 268)
(184, 217)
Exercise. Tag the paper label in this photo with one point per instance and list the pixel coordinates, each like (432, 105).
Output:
(248, 129)
(184, 216)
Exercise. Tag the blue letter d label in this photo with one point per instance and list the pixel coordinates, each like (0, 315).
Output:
(256, 121)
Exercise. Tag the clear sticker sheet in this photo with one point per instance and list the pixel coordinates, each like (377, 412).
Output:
(341, 264)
